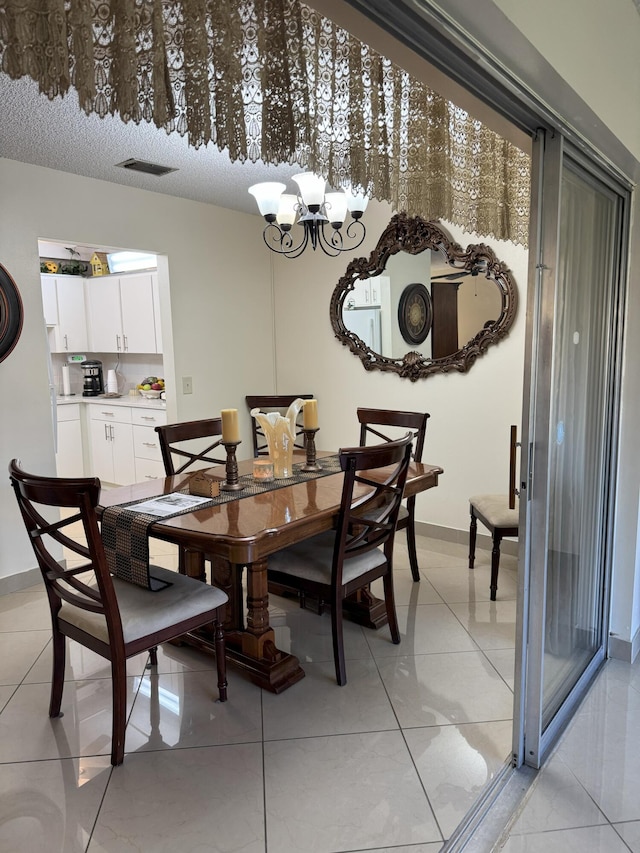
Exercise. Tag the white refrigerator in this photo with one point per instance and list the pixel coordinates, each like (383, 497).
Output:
(365, 322)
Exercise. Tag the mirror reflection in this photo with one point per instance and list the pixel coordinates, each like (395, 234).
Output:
(422, 304)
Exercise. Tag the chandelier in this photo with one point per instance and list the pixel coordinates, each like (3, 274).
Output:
(322, 216)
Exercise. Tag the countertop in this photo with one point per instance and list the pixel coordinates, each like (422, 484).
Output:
(137, 402)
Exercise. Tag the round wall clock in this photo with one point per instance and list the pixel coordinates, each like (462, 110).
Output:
(415, 313)
(10, 313)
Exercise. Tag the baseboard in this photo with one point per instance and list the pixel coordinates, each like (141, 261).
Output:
(461, 537)
(625, 650)
(23, 580)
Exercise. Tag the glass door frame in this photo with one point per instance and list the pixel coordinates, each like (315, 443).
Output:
(532, 743)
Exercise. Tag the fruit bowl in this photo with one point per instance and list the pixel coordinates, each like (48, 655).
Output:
(150, 395)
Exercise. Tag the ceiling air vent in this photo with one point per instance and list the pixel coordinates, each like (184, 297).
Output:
(148, 168)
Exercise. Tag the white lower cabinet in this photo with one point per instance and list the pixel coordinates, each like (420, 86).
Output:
(69, 462)
(125, 447)
(111, 437)
(146, 444)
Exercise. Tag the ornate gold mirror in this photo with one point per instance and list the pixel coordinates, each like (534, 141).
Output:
(421, 304)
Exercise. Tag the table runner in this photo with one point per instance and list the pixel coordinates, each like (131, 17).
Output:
(125, 532)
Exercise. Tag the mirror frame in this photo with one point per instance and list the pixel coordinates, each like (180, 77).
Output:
(11, 313)
(414, 235)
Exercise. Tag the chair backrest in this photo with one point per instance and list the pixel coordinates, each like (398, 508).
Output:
(369, 521)
(273, 403)
(87, 586)
(370, 419)
(178, 458)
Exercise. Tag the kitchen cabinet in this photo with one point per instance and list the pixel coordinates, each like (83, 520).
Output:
(146, 444)
(69, 462)
(111, 439)
(63, 301)
(365, 293)
(123, 313)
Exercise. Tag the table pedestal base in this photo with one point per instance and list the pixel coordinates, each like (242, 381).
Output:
(275, 672)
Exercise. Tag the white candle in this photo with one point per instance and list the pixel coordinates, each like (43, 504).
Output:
(230, 428)
(310, 414)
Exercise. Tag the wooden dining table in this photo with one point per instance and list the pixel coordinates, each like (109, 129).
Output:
(239, 535)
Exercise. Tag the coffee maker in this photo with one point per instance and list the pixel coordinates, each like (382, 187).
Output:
(93, 381)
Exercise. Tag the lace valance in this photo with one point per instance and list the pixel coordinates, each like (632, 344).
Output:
(273, 80)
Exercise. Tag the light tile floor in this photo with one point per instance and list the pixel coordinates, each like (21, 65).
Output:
(390, 762)
(586, 799)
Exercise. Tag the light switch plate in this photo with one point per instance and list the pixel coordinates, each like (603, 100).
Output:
(187, 385)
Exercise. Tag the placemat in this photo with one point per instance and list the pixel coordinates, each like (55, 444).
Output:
(125, 532)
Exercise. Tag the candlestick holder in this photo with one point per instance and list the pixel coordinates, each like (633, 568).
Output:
(231, 483)
(310, 445)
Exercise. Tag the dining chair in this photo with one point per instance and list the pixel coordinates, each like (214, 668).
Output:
(499, 514)
(337, 563)
(114, 618)
(179, 448)
(274, 403)
(370, 420)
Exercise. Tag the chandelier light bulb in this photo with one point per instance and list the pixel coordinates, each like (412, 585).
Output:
(336, 208)
(356, 202)
(287, 211)
(267, 195)
(311, 190)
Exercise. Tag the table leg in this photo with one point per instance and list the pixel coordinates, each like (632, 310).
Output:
(255, 649)
(192, 564)
(252, 647)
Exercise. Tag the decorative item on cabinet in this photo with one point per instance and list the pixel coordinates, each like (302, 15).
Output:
(99, 264)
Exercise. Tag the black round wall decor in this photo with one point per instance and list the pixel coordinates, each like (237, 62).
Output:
(415, 313)
(10, 313)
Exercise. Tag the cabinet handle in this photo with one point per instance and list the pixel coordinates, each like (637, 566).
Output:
(107, 414)
(66, 342)
(149, 444)
(106, 434)
(126, 345)
(150, 477)
(112, 433)
(147, 418)
(118, 342)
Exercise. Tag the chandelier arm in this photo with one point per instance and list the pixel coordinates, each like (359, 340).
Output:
(281, 242)
(352, 232)
(333, 244)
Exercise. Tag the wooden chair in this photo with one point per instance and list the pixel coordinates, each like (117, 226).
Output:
(334, 564)
(173, 436)
(113, 618)
(417, 421)
(499, 514)
(178, 442)
(274, 403)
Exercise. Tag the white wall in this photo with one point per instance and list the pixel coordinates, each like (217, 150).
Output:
(220, 307)
(593, 45)
(468, 433)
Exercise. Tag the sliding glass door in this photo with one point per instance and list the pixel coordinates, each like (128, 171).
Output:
(571, 442)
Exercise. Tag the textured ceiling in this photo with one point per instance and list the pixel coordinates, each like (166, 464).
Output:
(58, 135)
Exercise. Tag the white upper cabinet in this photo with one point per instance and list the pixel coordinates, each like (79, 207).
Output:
(63, 300)
(365, 293)
(122, 313)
